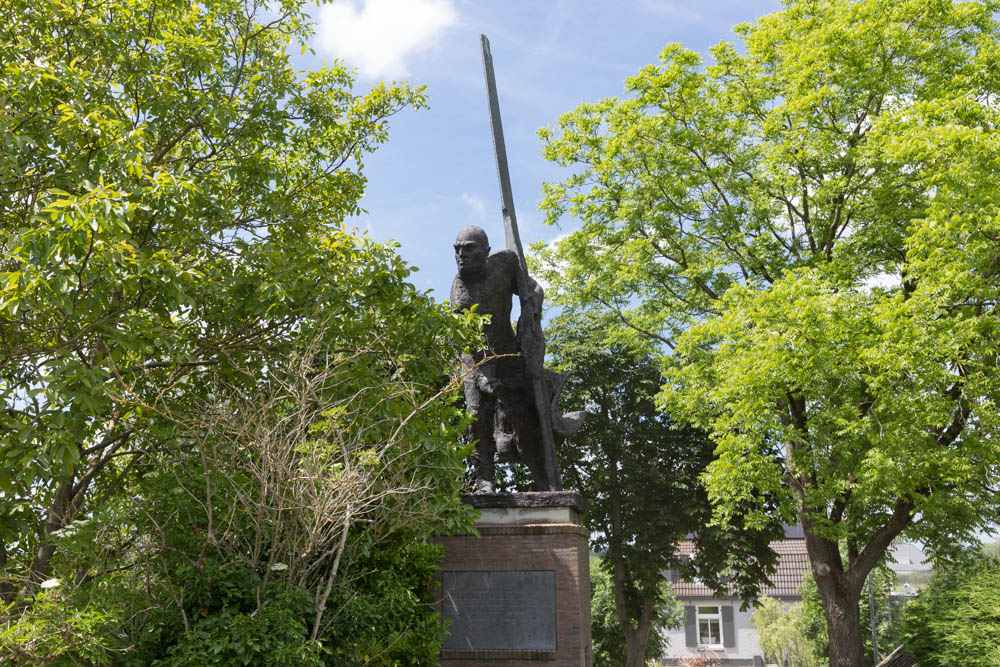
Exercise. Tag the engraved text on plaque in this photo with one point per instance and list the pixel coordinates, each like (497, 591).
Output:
(500, 610)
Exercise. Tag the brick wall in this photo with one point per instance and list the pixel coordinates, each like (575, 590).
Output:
(562, 548)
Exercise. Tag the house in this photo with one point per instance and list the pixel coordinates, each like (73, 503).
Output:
(913, 570)
(716, 625)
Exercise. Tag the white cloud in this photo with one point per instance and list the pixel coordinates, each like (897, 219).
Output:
(884, 281)
(477, 205)
(560, 263)
(378, 36)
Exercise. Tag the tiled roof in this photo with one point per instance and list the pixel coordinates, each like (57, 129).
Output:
(793, 563)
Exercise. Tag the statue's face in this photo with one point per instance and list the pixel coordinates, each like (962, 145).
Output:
(471, 251)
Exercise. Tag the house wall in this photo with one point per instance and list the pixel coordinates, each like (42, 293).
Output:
(743, 653)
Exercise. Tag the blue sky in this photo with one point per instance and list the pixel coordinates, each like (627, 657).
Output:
(437, 172)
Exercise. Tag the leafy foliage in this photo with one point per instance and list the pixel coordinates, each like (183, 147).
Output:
(284, 509)
(956, 619)
(809, 223)
(223, 411)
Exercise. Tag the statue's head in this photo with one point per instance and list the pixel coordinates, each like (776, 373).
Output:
(471, 250)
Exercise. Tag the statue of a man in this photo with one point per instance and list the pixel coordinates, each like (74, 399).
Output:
(497, 391)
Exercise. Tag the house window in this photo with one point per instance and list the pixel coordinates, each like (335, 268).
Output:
(710, 627)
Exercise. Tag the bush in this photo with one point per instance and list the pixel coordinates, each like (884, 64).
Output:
(956, 619)
(780, 629)
(234, 427)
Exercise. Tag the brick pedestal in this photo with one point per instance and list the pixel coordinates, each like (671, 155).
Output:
(519, 594)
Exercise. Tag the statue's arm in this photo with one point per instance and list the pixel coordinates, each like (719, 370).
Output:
(456, 296)
(529, 327)
(535, 296)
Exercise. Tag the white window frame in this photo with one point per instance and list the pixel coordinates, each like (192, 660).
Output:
(715, 616)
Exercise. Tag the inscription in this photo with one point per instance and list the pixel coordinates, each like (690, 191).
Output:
(500, 610)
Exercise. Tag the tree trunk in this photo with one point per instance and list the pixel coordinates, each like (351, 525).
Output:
(58, 517)
(637, 640)
(840, 588)
(7, 588)
(840, 592)
(843, 624)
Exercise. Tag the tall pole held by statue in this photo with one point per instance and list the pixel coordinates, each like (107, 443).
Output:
(535, 357)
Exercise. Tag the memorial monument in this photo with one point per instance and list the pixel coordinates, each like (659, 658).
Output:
(519, 592)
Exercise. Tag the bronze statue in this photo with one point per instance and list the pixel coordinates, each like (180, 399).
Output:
(511, 396)
(498, 382)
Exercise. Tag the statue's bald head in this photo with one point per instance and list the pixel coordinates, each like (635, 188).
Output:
(474, 234)
(471, 250)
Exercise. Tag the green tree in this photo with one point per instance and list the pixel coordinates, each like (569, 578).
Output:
(610, 649)
(810, 222)
(172, 249)
(779, 628)
(956, 619)
(640, 475)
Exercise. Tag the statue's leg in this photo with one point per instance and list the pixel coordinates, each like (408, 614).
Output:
(482, 408)
(503, 432)
(485, 450)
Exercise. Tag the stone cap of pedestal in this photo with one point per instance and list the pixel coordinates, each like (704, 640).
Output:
(530, 508)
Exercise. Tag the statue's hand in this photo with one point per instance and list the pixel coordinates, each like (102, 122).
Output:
(531, 342)
(487, 385)
(532, 301)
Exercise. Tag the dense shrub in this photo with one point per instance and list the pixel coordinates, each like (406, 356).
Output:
(956, 619)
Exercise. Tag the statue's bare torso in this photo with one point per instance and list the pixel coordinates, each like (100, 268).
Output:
(491, 291)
